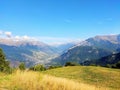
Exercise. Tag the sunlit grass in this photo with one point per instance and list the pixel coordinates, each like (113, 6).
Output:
(30, 80)
(98, 76)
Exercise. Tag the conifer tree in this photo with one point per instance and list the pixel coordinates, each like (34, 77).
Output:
(4, 65)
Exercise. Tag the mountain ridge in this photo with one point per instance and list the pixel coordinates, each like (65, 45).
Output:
(91, 49)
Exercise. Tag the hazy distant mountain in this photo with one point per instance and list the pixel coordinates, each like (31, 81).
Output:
(109, 42)
(30, 52)
(91, 49)
(64, 47)
(33, 52)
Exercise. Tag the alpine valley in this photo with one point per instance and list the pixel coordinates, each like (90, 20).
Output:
(35, 52)
(30, 52)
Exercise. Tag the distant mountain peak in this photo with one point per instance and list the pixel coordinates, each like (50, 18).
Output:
(91, 49)
(115, 39)
(16, 42)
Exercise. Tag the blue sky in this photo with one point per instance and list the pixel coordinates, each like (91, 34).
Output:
(70, 19)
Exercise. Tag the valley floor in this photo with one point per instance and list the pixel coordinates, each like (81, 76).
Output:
(66, 78)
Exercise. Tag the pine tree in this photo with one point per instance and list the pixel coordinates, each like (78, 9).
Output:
(4, 65)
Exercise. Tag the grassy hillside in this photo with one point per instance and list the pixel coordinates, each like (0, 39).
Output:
(29, 80)
(66, 78)
(98, 76)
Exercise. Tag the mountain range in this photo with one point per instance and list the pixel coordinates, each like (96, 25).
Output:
(90, 49)
(30, 52)
(33, 52)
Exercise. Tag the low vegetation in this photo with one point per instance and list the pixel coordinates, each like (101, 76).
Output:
(116, 65)
(98, 76)
(64, 78)
(30, 80)
(71, 64)
(4, 65)
(22, 66)
(37, 67)
(54, 66)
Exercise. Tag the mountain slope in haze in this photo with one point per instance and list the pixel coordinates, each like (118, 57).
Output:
(81, 54)
(108, 42)
(30, 52)
(91, 49)
(64, 47)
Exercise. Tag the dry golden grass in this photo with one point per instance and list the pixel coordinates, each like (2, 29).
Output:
(91, 75)
(30, 80)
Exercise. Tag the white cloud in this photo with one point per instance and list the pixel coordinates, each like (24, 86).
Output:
(25, 37)
(17, 37)
(48, 40)
(58, 40)
(8, 34)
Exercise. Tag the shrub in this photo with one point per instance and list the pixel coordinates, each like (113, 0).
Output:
(22, 66)
(52, 67)
(109, 66)
(71, 64)
(37, 67)
(118, 65)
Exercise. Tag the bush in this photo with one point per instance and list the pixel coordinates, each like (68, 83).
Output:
(118, 65)
(37, 67)
(109, 66)
(22, 66)
(71, 64)
(52, 67)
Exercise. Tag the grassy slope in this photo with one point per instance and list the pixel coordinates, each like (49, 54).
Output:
(98, 76)
(29, 80)
(66, 78)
